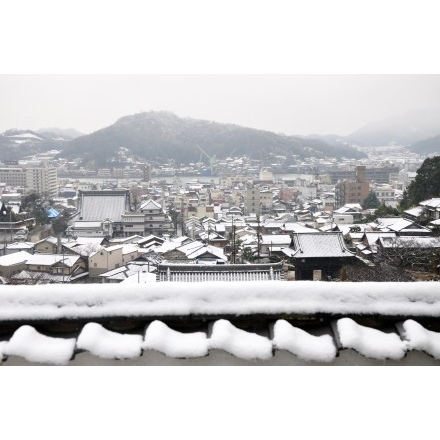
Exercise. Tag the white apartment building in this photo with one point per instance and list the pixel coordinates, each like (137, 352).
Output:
(38, 180)
(385, 194)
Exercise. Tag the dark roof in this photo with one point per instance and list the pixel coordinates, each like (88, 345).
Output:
(321, 245)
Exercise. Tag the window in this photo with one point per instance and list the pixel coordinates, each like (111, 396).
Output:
(95, 264)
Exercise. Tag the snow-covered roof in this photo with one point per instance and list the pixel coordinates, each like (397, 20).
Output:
(322, 245)
(431, 203)
(21, 245)
(285, 344)
(101, 205)
(297, 227)
(410, 242)
(51, 259)
(160, 337)
(150, 205)
(14, 258)
(415, 212)
(276, 239)
(303, 344)
(87, 225)
(369, 342)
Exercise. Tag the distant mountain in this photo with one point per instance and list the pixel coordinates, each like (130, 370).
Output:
(16, 144)
(426, 147)
(161, 136)
(404, 129)
(64, 133)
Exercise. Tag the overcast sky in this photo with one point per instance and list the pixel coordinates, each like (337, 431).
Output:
(290, 104)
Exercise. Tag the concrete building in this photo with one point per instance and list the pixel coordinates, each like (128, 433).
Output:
(38, 180)
(352, 191)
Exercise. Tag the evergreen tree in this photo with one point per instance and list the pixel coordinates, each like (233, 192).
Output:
(426, 185)
(371, 201)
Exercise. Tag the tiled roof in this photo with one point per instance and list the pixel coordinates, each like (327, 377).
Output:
(51, 259)
(101, 205)
(322, 245)
(150, 204)
(14, 258)
(222, 342)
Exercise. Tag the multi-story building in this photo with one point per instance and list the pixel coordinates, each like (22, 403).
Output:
(251, 201)
(151, 219)
(385, 194)
(38, 180)
(352, 191)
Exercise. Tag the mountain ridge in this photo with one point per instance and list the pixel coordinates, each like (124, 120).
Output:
(161, 136)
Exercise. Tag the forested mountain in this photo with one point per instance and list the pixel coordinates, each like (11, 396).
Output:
(161, 136)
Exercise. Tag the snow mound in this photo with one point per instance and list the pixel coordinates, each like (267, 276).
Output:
(35, 347)
(303, 344)
(175, 344)
(107, 344)
(419, 338)
(370, 342)
(238, 342)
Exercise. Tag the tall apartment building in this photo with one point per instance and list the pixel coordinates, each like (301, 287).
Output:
(39, 180)
(352, 191)
(256, 201)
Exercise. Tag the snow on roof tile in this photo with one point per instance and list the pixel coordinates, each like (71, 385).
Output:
(108, 344)
(239, 343)
(35, 347)
(370, 342)
(419, 338)
(160, 337)
(303, 344)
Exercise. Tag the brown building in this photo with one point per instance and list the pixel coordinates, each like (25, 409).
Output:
(352, 191)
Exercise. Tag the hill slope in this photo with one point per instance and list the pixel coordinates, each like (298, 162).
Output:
(404, 129)
(427, 146)
(16, 144)
(161, 136)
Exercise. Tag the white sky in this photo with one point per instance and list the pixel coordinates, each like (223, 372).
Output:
(225, 48)
(291, 104)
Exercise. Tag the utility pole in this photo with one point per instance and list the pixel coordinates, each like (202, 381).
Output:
(233, 241)
(10, 221)
(258, 238)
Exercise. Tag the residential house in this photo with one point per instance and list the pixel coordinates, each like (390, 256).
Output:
(53, 268)
(111, 258)
(13, 263)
